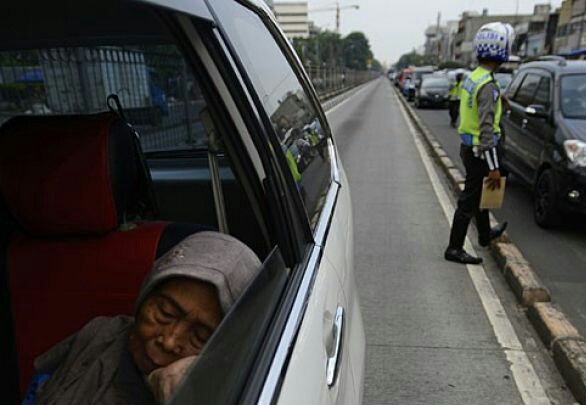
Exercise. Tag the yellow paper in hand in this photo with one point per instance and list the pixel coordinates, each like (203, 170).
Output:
(492, 199)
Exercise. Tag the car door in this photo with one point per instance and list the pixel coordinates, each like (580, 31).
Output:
(311, 364)
(517, 135)
(538, 130)
(292, 318)
(510, 125)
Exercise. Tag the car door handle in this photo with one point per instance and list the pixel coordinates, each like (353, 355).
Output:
(332, 363)
(524, 123)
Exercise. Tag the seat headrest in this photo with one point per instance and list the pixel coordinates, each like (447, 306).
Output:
(69, 175)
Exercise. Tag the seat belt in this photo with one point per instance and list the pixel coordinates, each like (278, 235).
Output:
(214, 149)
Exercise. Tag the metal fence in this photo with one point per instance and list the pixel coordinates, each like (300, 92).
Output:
(329, 80)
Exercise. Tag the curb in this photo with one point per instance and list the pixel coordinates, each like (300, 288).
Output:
(556, 331)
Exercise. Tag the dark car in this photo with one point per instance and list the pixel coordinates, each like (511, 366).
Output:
(545, 136)
(433, 92)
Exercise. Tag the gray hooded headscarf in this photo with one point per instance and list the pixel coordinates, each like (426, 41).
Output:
(216, 258)
(94, 365)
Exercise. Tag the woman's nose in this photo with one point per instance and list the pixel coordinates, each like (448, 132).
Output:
(172, 340)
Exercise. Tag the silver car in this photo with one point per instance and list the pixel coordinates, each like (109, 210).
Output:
(234, 139)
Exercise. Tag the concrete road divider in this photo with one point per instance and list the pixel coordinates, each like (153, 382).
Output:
(556, 331)
(570, 359)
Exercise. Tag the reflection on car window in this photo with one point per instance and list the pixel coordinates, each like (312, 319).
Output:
(542, 94)
(503, 79)
(525, 94)
(573, 96)
(512, 89)
(292, 114)
(160, 97)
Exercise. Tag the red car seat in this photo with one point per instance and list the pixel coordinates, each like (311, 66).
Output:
(73, 185)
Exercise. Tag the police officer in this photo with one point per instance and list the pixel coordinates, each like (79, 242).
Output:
(480, 115)
(454, 103)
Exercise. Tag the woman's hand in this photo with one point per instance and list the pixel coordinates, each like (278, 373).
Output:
(165, 380)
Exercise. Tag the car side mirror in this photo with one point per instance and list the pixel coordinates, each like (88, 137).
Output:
(537, 110)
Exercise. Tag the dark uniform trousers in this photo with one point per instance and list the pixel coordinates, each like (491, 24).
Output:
(469, 201)
(454, 109)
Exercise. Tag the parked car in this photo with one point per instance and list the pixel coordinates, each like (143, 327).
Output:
(417, 78)
(246, 149)
(545, 136)
(433, 92)
(403, 75)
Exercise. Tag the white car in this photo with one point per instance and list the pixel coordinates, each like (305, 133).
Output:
(226, 157)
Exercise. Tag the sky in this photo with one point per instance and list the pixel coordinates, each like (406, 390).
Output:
(395, 27)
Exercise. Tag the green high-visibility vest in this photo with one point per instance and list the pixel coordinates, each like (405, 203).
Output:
(469, 114)
(293, 166)
(456, 90)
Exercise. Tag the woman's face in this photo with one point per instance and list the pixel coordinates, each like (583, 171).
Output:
(175, 321)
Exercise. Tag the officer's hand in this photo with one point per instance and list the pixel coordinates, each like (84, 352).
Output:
(494, 180)
(505, 101)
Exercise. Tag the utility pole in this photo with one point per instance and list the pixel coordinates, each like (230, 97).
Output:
(338, 17)
(337, 9)
(438, 36)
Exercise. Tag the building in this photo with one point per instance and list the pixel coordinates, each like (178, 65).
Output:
(531, 38)
(292, 18)
(571, 32)
(439, 41)
(469, 26)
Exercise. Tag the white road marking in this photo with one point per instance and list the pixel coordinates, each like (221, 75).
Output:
(337, 106)
(526, 379)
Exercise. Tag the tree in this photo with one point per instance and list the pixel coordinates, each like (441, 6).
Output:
(352, 51)
(357, 53)
(326, 47)
(450, 64)
(414, 59)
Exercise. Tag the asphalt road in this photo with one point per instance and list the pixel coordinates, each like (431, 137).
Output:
(558, 256)
(429, 338)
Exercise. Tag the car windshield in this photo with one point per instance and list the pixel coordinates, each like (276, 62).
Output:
(573, 96)
(436, 82)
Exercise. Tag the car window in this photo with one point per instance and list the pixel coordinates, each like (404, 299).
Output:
(573, 96)
(159, 95)
(440, 83)
(503, 79)
(226, 366)
(292, 114)
(514, 86)
(542, 95)
(527, 90)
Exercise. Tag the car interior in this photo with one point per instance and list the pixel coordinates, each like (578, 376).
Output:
(94, 191)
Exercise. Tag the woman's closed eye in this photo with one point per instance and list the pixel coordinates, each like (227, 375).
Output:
(199, 336)
(164, 314)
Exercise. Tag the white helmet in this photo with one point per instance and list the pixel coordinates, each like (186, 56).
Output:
(494, 41)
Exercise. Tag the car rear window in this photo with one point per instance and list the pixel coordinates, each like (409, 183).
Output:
(440, 83)
(573, 96)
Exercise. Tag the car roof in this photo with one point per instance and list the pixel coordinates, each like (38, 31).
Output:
(557, 67)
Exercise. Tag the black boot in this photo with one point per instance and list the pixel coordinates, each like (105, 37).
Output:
(460, 256)
(493, 234)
